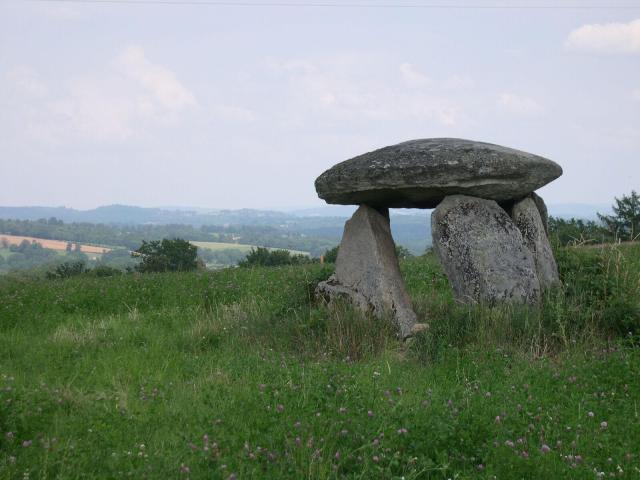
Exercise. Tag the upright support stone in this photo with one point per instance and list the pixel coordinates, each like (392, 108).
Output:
(527, 217)
(482, 252)
(367, 270)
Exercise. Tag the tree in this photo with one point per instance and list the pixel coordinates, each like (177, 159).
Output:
(270, 258)
(625, 221)
(166, 255)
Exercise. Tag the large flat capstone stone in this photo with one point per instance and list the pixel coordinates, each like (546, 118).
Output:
(421, 173)
(482, 252)
(367, 272)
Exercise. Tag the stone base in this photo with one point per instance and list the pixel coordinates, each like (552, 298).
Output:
(367, 272)
(482, 252)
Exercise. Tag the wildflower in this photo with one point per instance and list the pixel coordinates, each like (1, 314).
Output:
(343, 410)
(509, 444)
(525, 454)
(337, 455)
(498, 419)
(233, 476)
(297, 424)
(375, 459)
(402, 431)
(545, 448)
(603, 425)
(480, 466)
(184, 468)
(590, 414)
(262, 386)
(578, 458)
(9, 435)
(26, 443)
(370, 413)
(280, 408)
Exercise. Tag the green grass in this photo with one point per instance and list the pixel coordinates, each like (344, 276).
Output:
(238, 246)
(239, 372)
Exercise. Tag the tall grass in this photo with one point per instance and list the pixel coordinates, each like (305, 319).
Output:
(241, 374)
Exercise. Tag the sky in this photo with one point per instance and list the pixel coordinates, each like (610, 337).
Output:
(243, 106)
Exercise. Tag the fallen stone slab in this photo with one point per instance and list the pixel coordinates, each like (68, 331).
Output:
(527, 217)
(367, 271)
(482, 252)
(421, 173)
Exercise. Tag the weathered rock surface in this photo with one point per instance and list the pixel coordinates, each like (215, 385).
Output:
(527, 217)
(420, 173)
(367, 271)
(542, 209)
(482, 252)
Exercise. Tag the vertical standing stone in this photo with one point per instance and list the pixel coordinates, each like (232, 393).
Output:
(367, 270)
(482, 252)
(527, 217)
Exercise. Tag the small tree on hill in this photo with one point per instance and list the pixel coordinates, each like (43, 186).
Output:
(625, 221)
(270, 258)
(166, 255)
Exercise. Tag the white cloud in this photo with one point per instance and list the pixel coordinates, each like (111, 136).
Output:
(156, 79)
(412, 77)
(519, 105)
(606, 38)
(126, 97)
(24, 80)
(636, 94)
(345, 89)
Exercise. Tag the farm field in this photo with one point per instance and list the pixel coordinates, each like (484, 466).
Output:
(238, 246)
(240, 373)
(59, 245)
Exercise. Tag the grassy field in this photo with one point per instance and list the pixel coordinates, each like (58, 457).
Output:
(58, 245)
(238, 246)
(240, 374)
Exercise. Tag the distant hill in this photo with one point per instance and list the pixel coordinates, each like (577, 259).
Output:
(411, 228)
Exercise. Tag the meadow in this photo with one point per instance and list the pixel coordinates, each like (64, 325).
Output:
(238, 246)
(240, 373)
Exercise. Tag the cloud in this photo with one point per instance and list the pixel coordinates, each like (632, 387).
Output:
(350, 88)
(519, 105)
(636, 94)
(606, 38)
(413, 77)
(128, 96)
(24, 80)
(159, 81)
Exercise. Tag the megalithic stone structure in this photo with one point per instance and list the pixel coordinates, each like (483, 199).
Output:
(511, 257)
(367, 270)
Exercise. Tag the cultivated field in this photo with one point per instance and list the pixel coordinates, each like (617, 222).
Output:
(238, 246)
(59, 245)
(242, 374)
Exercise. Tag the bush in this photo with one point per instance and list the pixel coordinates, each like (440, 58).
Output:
(67, 269)
(166, 255)
(271, 258)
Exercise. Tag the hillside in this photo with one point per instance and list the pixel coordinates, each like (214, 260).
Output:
(240, 374)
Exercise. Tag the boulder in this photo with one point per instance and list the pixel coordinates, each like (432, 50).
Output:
(421, 173)
(527, 217)
(482, 252)
(367, 271)
(542, 209)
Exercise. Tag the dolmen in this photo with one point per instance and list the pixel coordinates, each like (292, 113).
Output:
(489, 228)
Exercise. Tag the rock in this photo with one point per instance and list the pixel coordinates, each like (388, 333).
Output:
(420, 173)
(367, 271)
(482, 252)
(542, 209)
(527, 217)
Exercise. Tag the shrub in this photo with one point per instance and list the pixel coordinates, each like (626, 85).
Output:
(166, 255)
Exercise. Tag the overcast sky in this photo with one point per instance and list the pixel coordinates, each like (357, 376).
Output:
(236, 106)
